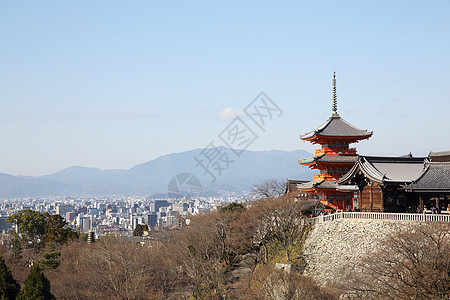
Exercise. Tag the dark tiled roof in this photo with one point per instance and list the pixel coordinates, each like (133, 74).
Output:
(306, 186)
(436, 176)
(442, 153)
(295, 181)
(324, 184)
(335, 126)
(443, 156)
(292, 185)
(387, 169)
(329, 159)
(327, 184)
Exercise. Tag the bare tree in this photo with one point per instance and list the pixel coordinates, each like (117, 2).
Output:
(200, 252)
(270, 188)
(112, 268)
(279, 220)
(411, 264)
(278, 284)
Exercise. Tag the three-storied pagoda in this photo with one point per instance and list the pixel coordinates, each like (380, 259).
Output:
(333, 159)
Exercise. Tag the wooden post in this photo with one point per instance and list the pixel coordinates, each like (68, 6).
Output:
(421, 203)
(359, 199)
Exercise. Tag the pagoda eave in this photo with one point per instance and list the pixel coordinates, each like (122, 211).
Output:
(315, 189)
(322, 139)
(307, 190)
(318, 165)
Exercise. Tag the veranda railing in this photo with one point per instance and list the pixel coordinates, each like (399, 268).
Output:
(379, 216)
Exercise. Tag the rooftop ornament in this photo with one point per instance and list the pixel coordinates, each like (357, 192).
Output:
(334, 106)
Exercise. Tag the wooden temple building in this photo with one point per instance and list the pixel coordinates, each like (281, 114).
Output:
(379, 182)
(348, 181)
(334, 159)
(398, 184)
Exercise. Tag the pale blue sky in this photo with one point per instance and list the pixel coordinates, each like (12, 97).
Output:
(111, 84)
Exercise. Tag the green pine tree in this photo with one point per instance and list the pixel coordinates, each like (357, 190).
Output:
(9, 288)
(50, 260)
(36, 286)
(17, 249)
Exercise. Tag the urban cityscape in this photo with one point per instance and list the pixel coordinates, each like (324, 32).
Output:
(116, 215)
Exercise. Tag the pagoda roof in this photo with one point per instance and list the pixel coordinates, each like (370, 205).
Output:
(435, 176)
(337, 127)
(329, 159)
(387, 169)
(324, 184)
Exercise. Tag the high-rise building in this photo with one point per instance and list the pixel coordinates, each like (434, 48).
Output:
(152, 220)
(87, 223)
(155, 206)
(180, 207)
(62, 209)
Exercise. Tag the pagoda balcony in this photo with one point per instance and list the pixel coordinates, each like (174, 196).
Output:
(324, 176)
(335, 151)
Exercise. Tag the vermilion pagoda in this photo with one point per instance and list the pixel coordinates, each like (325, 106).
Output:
(333, 159)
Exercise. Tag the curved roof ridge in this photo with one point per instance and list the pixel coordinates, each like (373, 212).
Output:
(318, 129)
(371, 132)
(426, 167)
(350, 172)
(371, 170)
(399, 159)
(306, 160)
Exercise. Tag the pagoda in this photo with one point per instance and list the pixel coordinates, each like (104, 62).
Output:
(334, 159)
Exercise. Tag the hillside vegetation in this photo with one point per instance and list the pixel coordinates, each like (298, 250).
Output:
(251, 252)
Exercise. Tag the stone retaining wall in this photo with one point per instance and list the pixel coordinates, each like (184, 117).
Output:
(333, 248)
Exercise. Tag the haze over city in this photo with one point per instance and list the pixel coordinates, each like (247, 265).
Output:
(111, 84)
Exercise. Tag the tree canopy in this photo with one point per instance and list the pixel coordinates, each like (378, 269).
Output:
(57, 232)
(36, 227)
(50, 260)
(31, 224)
(232, 207)
(36, 286)
(9, 288)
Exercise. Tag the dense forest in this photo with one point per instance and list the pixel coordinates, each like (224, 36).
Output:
(233, 253)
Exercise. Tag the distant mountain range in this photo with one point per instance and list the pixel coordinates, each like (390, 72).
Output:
(238, 173)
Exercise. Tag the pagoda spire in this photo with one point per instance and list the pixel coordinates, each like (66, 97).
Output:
(334, 106)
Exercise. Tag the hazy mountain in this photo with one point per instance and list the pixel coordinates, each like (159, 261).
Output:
(238, 173)
(20, 186)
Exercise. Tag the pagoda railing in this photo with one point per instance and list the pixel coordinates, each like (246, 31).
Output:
(334, 151)
(323, 176)
(378, 216)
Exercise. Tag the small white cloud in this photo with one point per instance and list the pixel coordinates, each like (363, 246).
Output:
(229, 114)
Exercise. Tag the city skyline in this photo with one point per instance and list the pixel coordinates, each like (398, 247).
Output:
(113, 84)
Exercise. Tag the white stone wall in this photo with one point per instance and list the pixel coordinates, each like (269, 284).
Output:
(333, 248)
